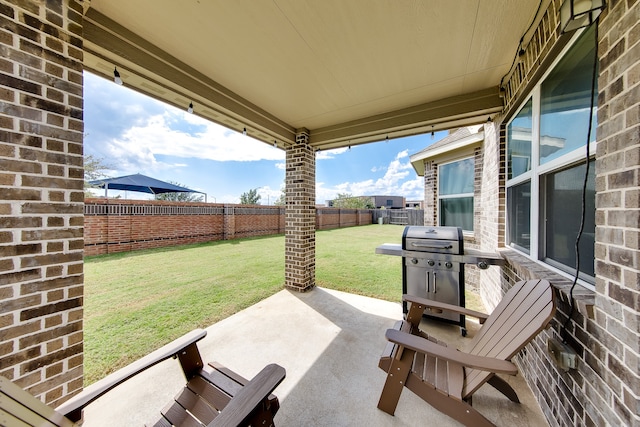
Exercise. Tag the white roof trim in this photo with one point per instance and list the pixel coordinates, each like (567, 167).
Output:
(418, 158)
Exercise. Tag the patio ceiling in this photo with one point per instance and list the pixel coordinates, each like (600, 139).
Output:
(349, 72)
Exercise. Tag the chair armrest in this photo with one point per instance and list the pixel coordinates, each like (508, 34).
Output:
(422, 345)
(97, 389)
(444, 306)
(249, 397)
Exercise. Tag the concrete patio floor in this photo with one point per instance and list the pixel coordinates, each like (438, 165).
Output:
(329, 343)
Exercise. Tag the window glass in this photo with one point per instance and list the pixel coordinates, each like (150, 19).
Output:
(563, 212)
(457, 212)
(519, 211)
(560, 105)
(455, 192)
(565, 101)
(519, 142)
(456, 177)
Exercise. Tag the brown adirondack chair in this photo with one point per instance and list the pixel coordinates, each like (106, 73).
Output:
(213, 395)
(447, 378)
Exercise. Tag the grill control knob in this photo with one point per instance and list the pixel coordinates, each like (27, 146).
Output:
(431, 262)
(448, 264)
(483, 265)
(414, 261)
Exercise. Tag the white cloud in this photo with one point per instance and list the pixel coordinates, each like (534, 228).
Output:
(402, 154)
(210, 141)
(398, 180)
(181, 135)
(330, 154)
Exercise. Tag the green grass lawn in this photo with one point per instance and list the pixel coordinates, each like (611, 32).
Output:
(137, 301)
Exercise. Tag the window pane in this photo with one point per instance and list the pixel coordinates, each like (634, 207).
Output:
(565, 101)
(456, 177)
(563, 212)
(519, 142)
(519, 211)
(457, 212)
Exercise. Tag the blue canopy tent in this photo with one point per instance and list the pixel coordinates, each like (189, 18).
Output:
(141, 184)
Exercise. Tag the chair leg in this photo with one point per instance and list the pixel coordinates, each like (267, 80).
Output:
(395, 382)
(459, 410)
(262, 416)
(503, 387)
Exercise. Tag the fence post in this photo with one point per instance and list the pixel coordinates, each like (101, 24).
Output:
(229, 222)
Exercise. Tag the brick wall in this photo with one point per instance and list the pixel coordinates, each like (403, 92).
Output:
(491, 231)
(41, 196)
(112, 226)
(616, 330)
(604, 330)
(543, 46)
(561, 394)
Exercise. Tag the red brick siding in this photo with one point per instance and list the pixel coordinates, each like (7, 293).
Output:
(41, 178)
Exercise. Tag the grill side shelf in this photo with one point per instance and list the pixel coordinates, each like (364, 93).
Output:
(470, 257)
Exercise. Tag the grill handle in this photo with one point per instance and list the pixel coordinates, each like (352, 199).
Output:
(431, 245)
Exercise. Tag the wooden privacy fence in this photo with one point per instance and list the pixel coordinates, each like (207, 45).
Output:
(127, 225)
(399, 216)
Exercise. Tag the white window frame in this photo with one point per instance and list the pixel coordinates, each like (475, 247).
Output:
(459, 195)
(537, 171)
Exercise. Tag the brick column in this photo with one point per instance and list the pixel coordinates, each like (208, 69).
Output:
(229, 223)
(41, 196)
(430, 193)
(491, 232)
(300, 215)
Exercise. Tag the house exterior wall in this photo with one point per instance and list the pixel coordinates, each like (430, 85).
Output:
(472, 273)
(604, 330)
(491, 230)
(615, 361)
(397, 202)
(41, 196)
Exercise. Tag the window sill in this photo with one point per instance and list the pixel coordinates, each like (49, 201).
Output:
(528, 269)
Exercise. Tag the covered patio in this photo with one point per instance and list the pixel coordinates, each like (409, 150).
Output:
(330, 343)
(315, 75)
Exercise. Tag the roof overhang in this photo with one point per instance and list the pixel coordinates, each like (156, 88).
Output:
(346, 73)
(449, 150)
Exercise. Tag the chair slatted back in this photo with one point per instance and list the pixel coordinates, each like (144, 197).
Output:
(18, 408)
(524, 311)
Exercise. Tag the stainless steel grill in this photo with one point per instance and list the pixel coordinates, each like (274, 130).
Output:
(433, 260)
(429, 270)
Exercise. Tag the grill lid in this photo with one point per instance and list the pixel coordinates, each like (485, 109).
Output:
(433, 239)
(433, 233)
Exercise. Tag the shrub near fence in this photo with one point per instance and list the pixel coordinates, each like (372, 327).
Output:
(114, 225)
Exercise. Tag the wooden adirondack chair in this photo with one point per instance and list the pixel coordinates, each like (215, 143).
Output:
(447, 378)
(213, 396)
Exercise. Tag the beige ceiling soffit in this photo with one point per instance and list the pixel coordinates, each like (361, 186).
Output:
(450, 123)
(471, 108)
(113, 43)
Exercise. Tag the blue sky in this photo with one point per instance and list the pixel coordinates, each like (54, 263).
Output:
(134, 133)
